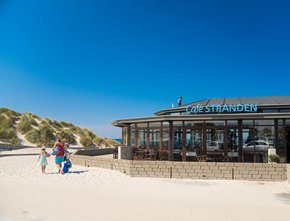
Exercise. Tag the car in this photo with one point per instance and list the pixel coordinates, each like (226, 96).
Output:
(258, 145)
(261, 138)
(271, 141)
(213, 146)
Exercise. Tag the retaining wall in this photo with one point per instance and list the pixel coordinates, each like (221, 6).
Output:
(13, 147)
(190, 170)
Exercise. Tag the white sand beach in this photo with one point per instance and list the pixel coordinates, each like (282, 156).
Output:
(99, 194)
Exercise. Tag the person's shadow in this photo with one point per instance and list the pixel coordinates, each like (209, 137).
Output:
(78, 172)
(74, 172)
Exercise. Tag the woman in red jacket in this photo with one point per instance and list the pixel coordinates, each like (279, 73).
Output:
(59, 158)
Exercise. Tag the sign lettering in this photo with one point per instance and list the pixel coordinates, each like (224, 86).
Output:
(217, 108)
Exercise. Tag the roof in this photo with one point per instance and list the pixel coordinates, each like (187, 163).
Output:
(201, 117)
(260, 101)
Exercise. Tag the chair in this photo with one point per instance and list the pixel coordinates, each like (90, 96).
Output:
(201, 158)
(138, 153)
(151, 155)
(115, 153)
(134, 153)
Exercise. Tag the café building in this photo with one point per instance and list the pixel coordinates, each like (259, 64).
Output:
(217, 129)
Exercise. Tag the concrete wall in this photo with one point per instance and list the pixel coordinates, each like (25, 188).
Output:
(190, 170)
(122, 166)
(13, 147)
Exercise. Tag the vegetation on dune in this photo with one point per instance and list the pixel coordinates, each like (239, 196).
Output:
(42, 136)
(33, 136)
(34, 116)
(45, 124)
(45, 132)
(54, 124)
(8, 136)
(65, 124)
(76, 130)
(87, 138)
(31, 118)
(47, 137)
(86, 141)
(67, 136)
(5, 122)
(7, 133)
(110, 142)
(13, 115)
(98, 141)
(89, 133)
(24, 125)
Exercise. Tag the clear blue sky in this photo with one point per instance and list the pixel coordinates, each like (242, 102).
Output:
(91, 62)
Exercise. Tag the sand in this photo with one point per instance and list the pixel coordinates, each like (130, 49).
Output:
(99, 194)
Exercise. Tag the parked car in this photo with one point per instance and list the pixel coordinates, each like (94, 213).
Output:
(213, 146)
(260, 145)
(261, 138)
(271, 141)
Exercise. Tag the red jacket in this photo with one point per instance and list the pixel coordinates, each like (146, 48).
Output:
(61, 150)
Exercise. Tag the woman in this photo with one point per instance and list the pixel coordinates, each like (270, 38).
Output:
(59, 158)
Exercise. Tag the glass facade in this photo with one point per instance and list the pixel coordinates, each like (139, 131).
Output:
(219, 140)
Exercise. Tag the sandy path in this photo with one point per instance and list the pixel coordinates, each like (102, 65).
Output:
(98, 194)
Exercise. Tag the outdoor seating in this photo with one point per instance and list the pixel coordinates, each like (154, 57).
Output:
(176, 154)
(115, 153)
(215, 156)
(191, 155)
(201, 158)
(138, 153)
(151, 154)
(231, 156)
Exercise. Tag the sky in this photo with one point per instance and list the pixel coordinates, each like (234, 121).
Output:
(94, 61)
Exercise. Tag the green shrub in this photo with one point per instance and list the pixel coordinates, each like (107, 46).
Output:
(33, 122)
(33, 136)
(89, 133)
(14, 140)
(5, 122)
(44, 124)
(30, 117)
(67, 136)
(66, 124)
(76, 130)
(46, 135)
(9, 113)
(86, 141)
(98, 140)
(7, 134)
(110, 142)
(34, 116)
(57, 125)
(274, 158)
(24, 125)
(43, 136)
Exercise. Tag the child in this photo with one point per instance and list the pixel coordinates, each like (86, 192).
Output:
(42, 159)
